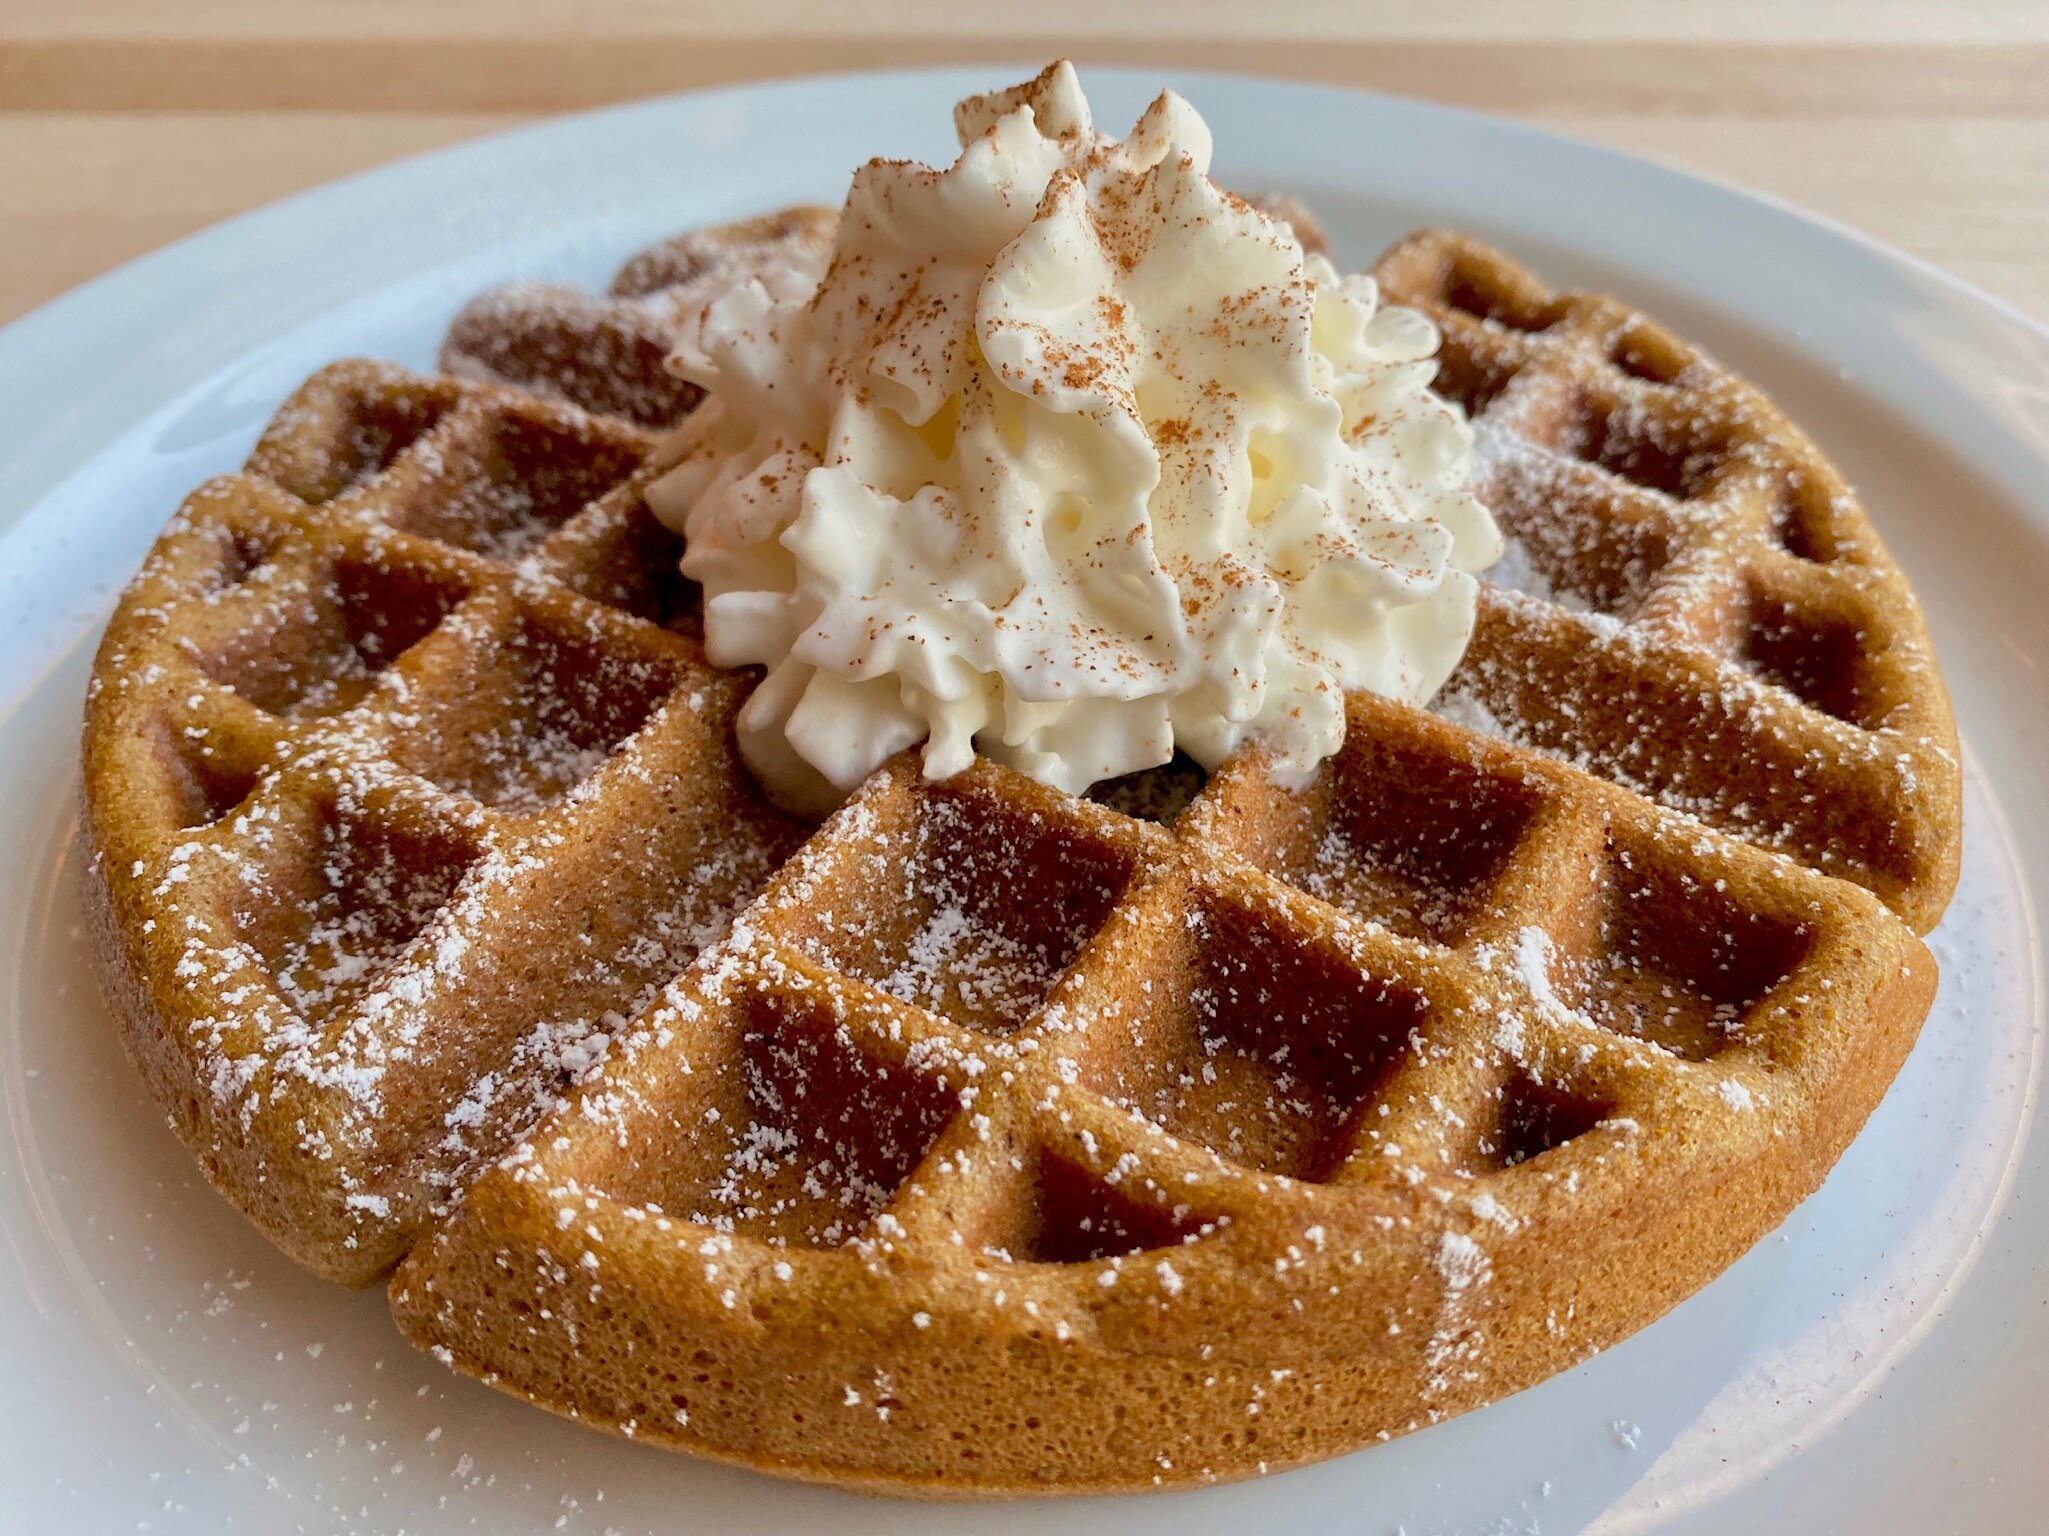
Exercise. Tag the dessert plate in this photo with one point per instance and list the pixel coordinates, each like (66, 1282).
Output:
(1874, 1366)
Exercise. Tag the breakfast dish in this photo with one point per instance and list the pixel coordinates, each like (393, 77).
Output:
(989, 1137)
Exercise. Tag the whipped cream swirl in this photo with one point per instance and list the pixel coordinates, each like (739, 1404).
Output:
(1071, 457)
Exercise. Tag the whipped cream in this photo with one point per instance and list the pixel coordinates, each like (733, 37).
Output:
(1066, 455)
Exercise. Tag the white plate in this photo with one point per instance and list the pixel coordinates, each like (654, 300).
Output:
(1878, 1365)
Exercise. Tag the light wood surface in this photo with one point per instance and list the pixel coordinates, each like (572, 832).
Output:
(127, 123)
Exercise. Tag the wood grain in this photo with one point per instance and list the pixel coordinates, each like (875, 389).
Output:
(126, 123)
(1798, 80)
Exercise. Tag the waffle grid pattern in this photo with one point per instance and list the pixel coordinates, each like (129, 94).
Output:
(1139, 1099)
(986, 1139)
(1694, 561)
(418, 680)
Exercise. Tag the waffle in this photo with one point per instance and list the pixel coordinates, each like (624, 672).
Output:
(983, 1139)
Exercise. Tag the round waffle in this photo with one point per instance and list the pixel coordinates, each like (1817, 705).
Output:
(984, 1139)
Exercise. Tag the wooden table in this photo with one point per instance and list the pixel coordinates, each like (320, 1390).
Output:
(126, 123)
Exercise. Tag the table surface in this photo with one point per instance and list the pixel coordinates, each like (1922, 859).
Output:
(127, 123)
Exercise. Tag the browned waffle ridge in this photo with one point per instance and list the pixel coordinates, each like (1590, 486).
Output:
(1008, 1142)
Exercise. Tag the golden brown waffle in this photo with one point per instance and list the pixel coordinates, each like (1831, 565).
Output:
(1008, 1142)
